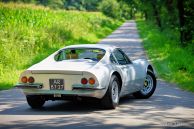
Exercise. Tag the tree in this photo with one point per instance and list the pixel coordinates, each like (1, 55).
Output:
(181, 19)
(110, 8)
(156, 14)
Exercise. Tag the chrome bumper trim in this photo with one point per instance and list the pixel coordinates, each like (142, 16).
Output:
(29, 86)
(88, 88)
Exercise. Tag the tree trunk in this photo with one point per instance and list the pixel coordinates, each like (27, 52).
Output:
(146, 15)
(131, 13)
(169, 5)
(180, 7)
(156, 15)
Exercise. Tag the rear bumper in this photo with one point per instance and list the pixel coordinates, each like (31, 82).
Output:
(37, 89)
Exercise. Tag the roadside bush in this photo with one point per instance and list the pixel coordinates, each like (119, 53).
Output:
(172, 62)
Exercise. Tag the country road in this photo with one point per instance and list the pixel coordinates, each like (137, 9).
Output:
(169, 107)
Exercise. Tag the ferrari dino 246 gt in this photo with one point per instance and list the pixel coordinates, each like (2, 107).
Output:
(95, 71)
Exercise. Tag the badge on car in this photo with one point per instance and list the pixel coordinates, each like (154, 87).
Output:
(56, 84)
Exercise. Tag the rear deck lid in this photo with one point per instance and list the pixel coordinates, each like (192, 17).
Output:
(68, 66)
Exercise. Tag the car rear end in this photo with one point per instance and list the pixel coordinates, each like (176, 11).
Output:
(60, 84)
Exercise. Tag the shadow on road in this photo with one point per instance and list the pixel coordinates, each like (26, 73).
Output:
(19, 106)
(162, 99)
(90, 115)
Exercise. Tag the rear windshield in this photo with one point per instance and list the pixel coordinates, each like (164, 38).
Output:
(94, 54)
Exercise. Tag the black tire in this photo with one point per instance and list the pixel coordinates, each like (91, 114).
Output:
(108, 101)
(141, 94)
(35, 101)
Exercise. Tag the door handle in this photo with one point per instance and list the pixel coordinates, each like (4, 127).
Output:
(123, 67)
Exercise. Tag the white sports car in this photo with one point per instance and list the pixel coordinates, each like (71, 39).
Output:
(90, 70)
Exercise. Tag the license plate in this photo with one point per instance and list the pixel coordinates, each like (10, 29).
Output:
(57, 95)
(56, 84)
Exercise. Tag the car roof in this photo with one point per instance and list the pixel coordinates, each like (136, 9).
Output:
(100, 46)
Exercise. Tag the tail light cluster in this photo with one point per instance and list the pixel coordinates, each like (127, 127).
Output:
(85, 81)
(24, 79)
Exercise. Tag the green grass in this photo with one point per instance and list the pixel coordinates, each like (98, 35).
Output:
(172, 62)
(29, 33)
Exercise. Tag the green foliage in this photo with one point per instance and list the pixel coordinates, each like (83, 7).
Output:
(115, 9)
(125, 10)
(174, 14)
(172, 62)
(55, 4)
(90, 5)
(29, 33)
(189, 22)
(110, 8)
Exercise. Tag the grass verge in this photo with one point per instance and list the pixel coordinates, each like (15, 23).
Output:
(172, 62)
(29, 33)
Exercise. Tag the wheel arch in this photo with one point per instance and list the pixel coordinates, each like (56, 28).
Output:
(117, 74)
(151, 69)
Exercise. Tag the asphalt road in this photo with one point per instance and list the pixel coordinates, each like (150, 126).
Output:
(169, 107)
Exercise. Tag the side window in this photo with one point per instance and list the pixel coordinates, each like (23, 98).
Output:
(126, 57)
(60, 56)
(112, 59)
(121, 57)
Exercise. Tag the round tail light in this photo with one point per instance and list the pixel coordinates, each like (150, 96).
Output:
(84, 81)
(31, 80)
(24, 79)
(91, 81)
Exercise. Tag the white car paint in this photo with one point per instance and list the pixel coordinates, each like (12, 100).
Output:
(132, 75)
